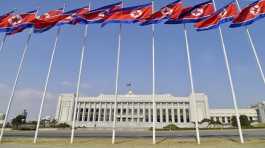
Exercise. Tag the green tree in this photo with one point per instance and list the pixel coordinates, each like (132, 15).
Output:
(18, 121)
(245, 123)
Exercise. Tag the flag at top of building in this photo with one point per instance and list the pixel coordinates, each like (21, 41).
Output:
(133, 14)
(225, 14)
(172, 10)
(4, 23)
(193, 14)
(20, 22)
(73, 16)
(99, 15)
(48, 20)
(250, 14)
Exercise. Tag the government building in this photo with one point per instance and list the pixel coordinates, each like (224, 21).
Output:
(137, 110)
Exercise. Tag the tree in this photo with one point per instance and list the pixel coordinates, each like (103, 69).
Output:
(18, 121)
(245, 123)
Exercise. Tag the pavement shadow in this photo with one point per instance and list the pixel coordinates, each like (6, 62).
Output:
(161, 141)
(124, 141)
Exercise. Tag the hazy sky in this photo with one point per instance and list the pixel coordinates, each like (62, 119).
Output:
(136, 62)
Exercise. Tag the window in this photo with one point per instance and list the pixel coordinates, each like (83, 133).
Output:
(151, 115)
(135, 111)
(187, 115)
(102, 115)
(91, 114)
(223, 119)
(124, 111)
(229, 119)
(81, 114)
(119, 111)
(123, 119)
(86, 114)
(146, 115)
(141, 112)
(97, 118)
(107, 114)
(176, 115)
(158, 115)
(169, 115)
(164, 115)
(181, 116)
(130, 112)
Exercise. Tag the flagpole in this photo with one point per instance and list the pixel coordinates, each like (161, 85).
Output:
(19, 70)
(78, 82)
(3, 43)
(153, 79)
(116, 85)
(230, 81)
(253, 48)
(46, 84)
(192, 84)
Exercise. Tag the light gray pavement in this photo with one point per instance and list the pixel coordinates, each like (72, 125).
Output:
(93, 133)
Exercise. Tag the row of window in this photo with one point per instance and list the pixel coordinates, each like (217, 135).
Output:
(226, 119)
(133, 115)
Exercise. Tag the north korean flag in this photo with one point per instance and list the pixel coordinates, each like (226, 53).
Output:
(4, 23)
(72, 16)
(172, 10)
(130, 14)
(225, 14)
(194, 14)
(250, 14)
(99, 15)
(48, 20)
(18, 23)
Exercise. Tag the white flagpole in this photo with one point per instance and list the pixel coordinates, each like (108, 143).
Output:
(78, 83)
(15, 83)
(3, 43)
(230, 81)
(46, 84)
(116, 86)
(253, 48)
(153, 79)
(192, 84)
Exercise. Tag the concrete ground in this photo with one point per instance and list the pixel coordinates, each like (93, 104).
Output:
(132, 143)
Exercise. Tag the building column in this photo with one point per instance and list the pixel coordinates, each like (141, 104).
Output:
(127, 111)
(78, 111)
(94, 113)
(178, 113)
(167, 114)
(83, 113)
(110, 113)
(184, 115)
(105, 112)
(149, 113)
(99, 111)
(138, 113)
(144, 113)
(161, 113)
(88, 113)
(172, 113)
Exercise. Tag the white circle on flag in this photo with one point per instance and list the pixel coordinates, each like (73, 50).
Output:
(101, 14)
(223, 13)
(197, 12)
(255, 10)
(166, 11)
(14, 20)
(136, 13)
(46, 15)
